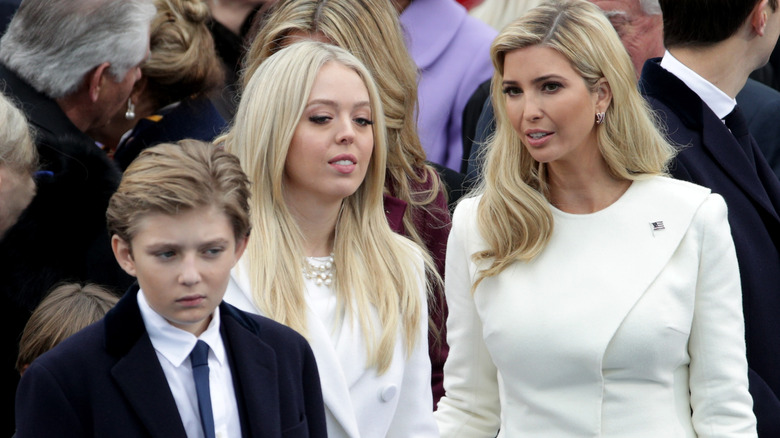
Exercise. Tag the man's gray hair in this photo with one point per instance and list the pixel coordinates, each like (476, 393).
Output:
(650, 7)
(52, 44)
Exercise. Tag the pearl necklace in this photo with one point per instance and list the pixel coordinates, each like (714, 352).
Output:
(320, 273)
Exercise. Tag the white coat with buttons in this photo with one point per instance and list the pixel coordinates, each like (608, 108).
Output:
(358, 402)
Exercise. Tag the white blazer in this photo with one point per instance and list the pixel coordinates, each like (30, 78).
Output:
(358, 402)
(628, 321)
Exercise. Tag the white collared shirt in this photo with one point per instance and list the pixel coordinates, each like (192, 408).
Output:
(719, 102)
(173, 347)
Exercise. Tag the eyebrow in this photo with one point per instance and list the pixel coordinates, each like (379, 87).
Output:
(546, 78)
(215, 242)
(535, 81)
(333, 103)
(171, 245)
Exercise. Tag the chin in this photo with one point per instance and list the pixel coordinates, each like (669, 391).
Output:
(342, 193)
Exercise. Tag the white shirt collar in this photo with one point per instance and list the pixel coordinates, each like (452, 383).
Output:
(719, 102)
(174, 343)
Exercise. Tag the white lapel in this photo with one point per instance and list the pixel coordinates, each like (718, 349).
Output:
(335, 391)
(657, 218)
(602, 268)
(633, 249)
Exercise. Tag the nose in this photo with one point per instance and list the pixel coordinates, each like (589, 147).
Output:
(532, 110)
(190, 274)
(346, 132)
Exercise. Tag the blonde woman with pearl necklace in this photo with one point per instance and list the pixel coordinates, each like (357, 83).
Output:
(322, 259)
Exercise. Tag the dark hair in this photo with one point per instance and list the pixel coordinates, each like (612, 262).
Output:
(704, 22)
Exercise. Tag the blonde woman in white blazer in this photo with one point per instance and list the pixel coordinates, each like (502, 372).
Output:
(321, 258)
(589, 295)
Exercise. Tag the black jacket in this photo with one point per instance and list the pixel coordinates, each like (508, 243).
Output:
(110, 383)
(62, 235)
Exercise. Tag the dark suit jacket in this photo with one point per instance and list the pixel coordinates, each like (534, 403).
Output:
(43, 113)
(471, 117)
(62, 235)
(761, 105)
(7, 10)
(73, 161)
(712, 157)
(106, 381)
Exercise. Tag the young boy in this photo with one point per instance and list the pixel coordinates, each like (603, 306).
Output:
(179, 222)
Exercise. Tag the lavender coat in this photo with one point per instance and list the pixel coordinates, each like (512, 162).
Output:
(452, 52)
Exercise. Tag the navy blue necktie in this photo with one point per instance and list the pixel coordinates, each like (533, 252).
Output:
(736, 122)
(200, 372)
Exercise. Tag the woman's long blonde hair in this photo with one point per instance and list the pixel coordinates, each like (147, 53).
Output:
(376, 269)
(369, 29)
(514, 215)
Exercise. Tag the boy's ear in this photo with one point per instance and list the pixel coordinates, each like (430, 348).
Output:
(124, 254)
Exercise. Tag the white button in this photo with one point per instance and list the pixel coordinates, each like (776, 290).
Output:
(388, 392)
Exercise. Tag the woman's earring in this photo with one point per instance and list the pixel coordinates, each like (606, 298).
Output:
(600, 118)
(130, 113)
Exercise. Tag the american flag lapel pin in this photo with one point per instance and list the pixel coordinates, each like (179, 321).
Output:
(657, 226)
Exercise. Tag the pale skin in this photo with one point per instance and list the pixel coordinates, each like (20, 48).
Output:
(329, 155)
(182, 263)
(99, 97)
(110, 133)
(641, 33)
(553, 111)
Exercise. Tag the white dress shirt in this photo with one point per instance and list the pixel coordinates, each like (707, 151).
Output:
(719, 102)
(173, 347)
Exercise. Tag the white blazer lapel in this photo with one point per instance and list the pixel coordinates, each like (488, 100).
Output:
(335, 391)
(663, 221)
(652, 226)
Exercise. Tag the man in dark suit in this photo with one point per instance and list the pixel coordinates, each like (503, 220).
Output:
(70, 65)
(712, 47)
(640, 26)
(73, 63)
(179, 223)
